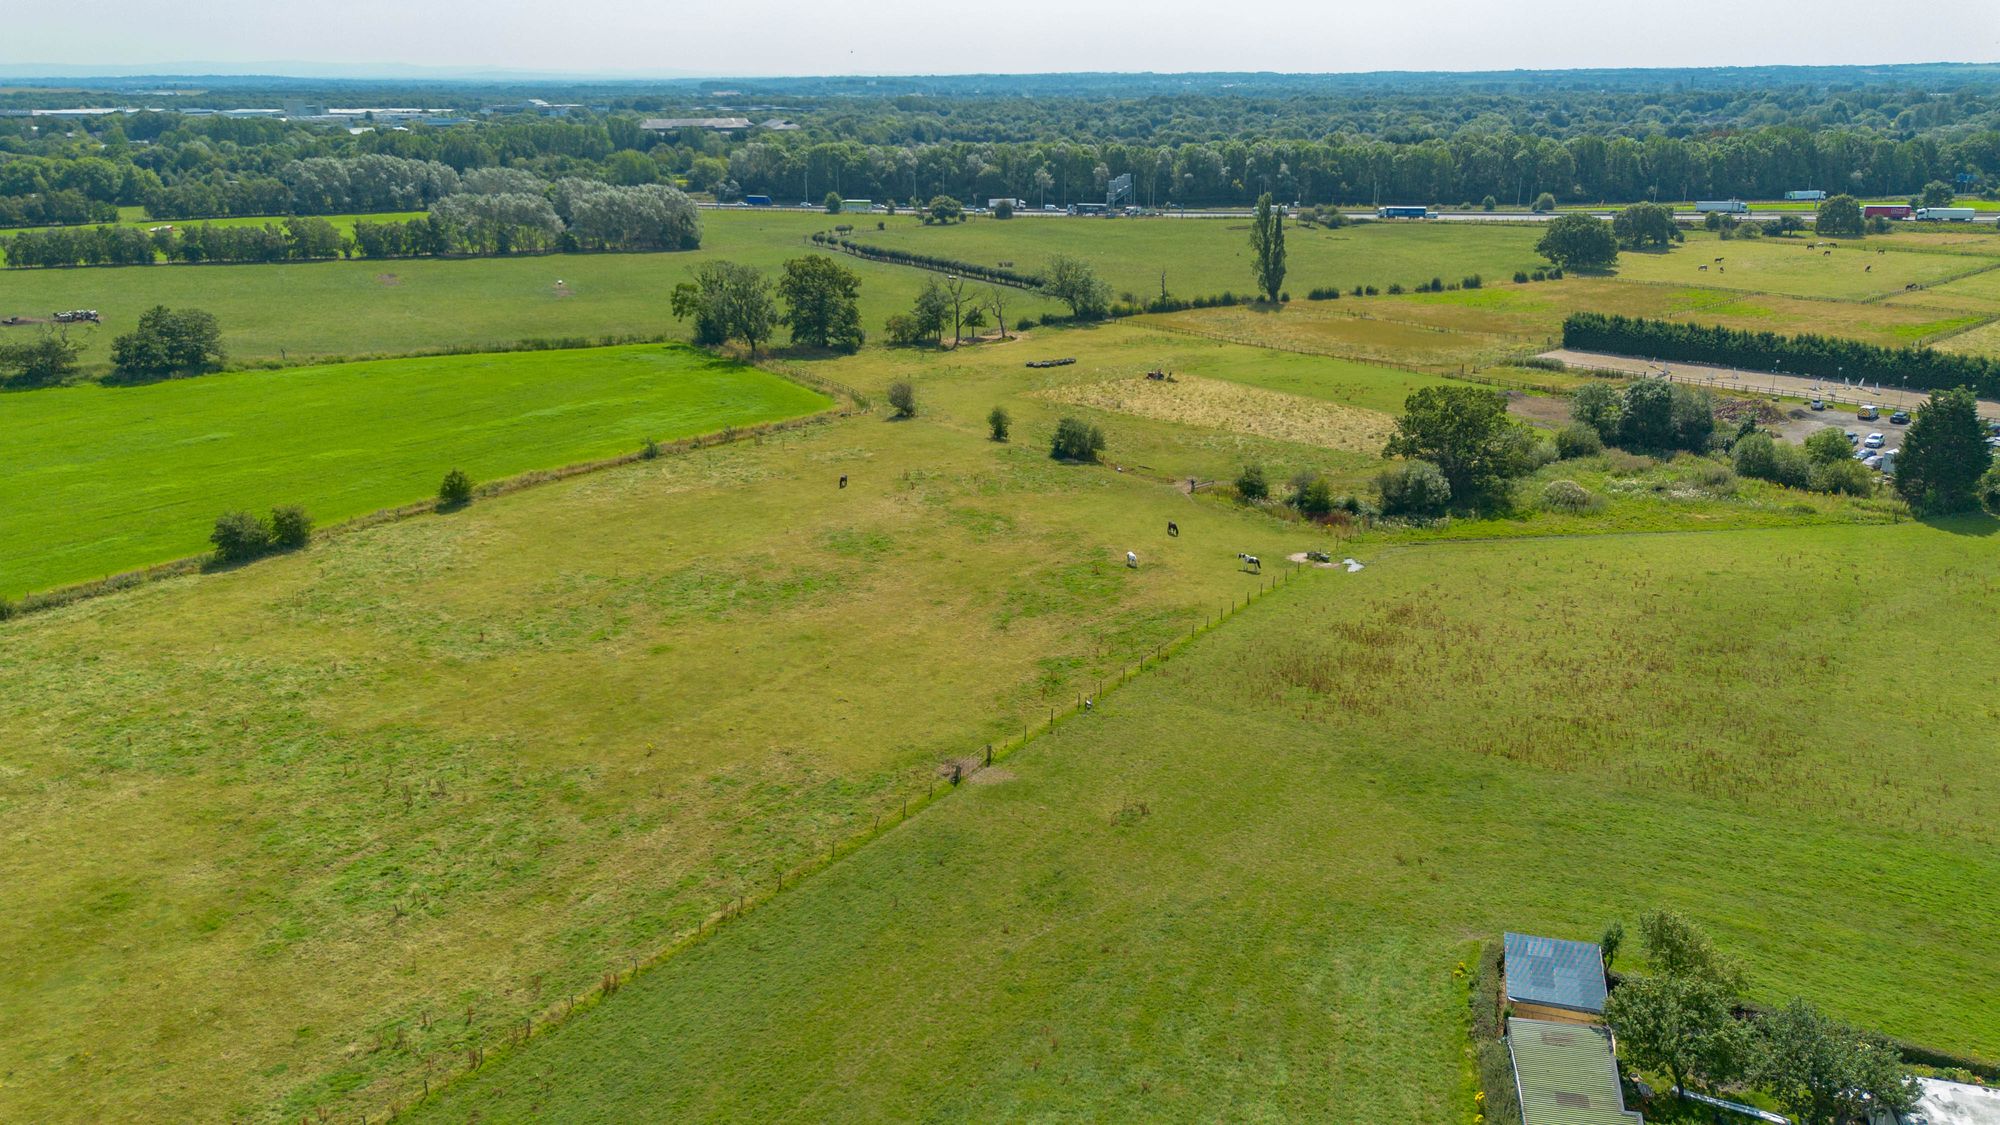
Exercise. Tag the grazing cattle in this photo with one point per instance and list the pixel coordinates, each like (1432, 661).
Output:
(1251, 562)
(843, 480)
(1173, 529)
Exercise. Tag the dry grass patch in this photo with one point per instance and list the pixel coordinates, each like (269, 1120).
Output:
(1193, 401)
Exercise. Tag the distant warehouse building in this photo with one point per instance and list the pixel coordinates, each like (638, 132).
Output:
(1553, 979)
(712, 124)
(1566, 1074)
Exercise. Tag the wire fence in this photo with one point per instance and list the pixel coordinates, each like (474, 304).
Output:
(883, 821)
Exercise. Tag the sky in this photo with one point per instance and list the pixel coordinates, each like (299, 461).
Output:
(814, 37)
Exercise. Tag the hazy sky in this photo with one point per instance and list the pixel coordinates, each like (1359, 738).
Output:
(762, 37)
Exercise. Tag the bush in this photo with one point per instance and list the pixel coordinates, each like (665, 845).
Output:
(1989, 490)
(1313, 497)
(1828, 446)
(1578, 439)
(1568, 496)
(998, 421)
(650, 450)
(1251, 485)
(456, 490)
(1758, 455)
(1845, 477)
(291, 528)
(1520, 276)
(1414, 488)
(1544, 203)
(1076, 440)
(903, 397)
(239, 537)
(1488, 204)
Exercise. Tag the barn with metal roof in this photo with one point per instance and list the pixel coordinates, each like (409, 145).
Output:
(1566, 1074)
(1553, 979)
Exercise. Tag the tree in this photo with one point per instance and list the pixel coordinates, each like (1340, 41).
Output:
(1839, 215)
(954, 293)
(727, 302)
(48, 359)
(1578, 241)
(1944, 455)
(832, 203)
(1645, 225)
(903, 397)
(1003, 208)
(1251, 485)
(944, 209)
(1466, 433)
(1598, 405)
(1071, 280)
(996, 299)
(1267, 247)
(291, 528)
(1683, 1025)
(455, 491)
(1677, 947)
(1989, 489)
(1312, 496)
(1488, 204)
(932, 310)
(166, 343)
(1691, 414)
(998, 421)
(1657, 416)
(1825, 1073)
(1544, 203)
(1827, 446)
(1076, 440)
(1609, 944)
(822, 303)
(1415, 488)
(1937, 193)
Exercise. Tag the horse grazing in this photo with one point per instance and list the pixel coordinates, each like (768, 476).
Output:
(1132, 559)
(1251, 562)
(1173, 529)
(843, 480)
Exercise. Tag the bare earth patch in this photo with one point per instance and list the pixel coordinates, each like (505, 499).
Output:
(1195, 401)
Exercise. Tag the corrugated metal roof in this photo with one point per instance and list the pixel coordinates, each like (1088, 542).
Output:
(1561, 974)
(1566, 1075)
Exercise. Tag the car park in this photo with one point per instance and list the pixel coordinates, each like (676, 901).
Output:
(1874, 441)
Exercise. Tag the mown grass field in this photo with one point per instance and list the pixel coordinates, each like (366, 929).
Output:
(1205, 257)
(299, 833)
(1237, 890)
(293, 312)
(106, 479)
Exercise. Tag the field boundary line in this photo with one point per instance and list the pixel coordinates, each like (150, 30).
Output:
(1461, 375)
(563, 1011)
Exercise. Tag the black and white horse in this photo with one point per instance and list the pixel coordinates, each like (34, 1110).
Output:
(1251, 562)
(1173, 529)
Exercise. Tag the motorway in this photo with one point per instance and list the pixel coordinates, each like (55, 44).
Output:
(1446, 216)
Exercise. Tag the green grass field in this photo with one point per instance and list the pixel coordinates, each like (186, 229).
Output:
(1203, 257)
(371, 308)
(1238, 889)
(106, 479)
(1855, 270)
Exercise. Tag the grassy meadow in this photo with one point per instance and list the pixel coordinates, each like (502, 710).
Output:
(107, 479)
(306, 310)
(1238, 889)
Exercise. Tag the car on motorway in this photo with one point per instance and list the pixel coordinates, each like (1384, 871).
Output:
(1900, 418)
(1817, 404)
(1874, 441)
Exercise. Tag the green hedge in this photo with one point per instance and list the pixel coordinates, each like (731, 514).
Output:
(1815, 356)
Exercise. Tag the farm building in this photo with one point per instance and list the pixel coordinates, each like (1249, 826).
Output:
(1566, 1074)
(1552, 979)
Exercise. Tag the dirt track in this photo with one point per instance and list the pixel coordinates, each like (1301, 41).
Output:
(1757, 382)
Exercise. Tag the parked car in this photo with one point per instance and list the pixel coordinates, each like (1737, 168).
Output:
(1874, 441)
(1817, 404)
(1900, 418)
(1872, 461)
(1853, 438)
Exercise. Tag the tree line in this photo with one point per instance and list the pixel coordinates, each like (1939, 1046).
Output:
(1813, 355)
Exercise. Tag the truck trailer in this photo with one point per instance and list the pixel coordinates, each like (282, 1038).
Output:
(1398, 212)
(1812, 196)
(1726, 206)
(1885, 210)
(1945, 214)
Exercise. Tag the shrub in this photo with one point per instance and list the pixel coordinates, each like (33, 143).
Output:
(1414, 488)
(8, 608)
(1544, 203)
(1578, 439)
(1520, 276)
(1076, 440)
(999, 421)
(1828, 446)
(455, 491)
(1568, 496)
(239, 537)
(649, 450)
(291, 528)
(1989, 489)
(1845, 477)
(903, 397)
(1757, 455)
(1313, 497)
(1473, 281)
(1023, 324)
(1251, 485)
(1488, 204)
(1395, 287)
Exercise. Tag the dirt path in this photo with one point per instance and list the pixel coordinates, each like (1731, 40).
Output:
(1757, 382)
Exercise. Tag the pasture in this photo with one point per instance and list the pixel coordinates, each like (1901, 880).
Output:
(1204, 257)
(299, 833)
(106, 479)
(291, 312)
(1238, 889)
(1854, 270)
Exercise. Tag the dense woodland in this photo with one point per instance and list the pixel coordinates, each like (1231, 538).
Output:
(1614, 136)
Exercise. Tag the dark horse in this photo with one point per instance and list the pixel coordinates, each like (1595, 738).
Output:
(843, 480)
(1173, 529)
